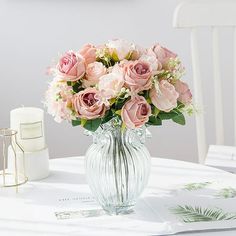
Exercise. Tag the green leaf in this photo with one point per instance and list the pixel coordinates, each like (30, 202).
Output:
(77, 87)
(179, 119)
(167, 115)
(108, 116)
(120, 103)
(115, 57)
(92, 125)
(69, 83)
(180, 105)
(153, 120)
(118, 112)
(196, 186)
(129, 55)
(190, 214)
(227, 193)
(76, 122)
(83, 122)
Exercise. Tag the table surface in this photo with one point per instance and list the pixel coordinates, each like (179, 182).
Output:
(32, 210)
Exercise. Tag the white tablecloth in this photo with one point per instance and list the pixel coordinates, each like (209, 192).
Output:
(34, 209)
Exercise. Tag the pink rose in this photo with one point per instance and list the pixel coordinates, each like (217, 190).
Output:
(135, 112)
(163, 54)
(88, 52)
(87, 106)
(138, 76)
(164, 96)
(71, 66)
(111, 84)
(185, 95)
(93, 72)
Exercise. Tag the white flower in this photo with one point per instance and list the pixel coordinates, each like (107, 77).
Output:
(121, 47)
(57, 98)
(111, 84)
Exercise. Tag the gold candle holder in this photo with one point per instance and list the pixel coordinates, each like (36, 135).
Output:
(12, 176)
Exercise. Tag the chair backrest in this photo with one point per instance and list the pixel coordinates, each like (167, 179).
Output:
(214, 13)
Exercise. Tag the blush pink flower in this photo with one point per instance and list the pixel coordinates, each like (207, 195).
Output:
(135, 113)
(164, 96)
(87, 106)
(93, 72)
(88, 52)
(150, 57)
(122, 48)
(111, 84)
(137, 76)
(71, 66)
(58, 100)
(185, 95)
(163, 54)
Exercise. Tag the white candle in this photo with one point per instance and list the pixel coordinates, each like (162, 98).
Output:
(29, 123)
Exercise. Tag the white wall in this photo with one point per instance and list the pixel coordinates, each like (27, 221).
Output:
(33, 32)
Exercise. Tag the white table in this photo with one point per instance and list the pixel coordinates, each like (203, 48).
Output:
(32, 210)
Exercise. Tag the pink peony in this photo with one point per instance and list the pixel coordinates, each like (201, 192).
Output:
(88, 52)
(185, 95)
(137, 76)
(120, 47)
(93, 72)
(71, 66)
(111, 84)
(87, 106)
(135, 112)
(150, 57)
(164, 96)
(58, 100)
(163, 54)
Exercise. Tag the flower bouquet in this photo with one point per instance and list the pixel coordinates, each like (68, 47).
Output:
(114, 90)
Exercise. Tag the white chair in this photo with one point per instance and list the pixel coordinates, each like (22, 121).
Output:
(193, 14)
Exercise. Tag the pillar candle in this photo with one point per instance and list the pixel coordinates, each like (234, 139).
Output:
(29, 123)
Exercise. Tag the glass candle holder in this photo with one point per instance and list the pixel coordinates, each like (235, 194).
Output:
(11, 176)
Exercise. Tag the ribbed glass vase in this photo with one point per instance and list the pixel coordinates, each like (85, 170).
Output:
(118, 166)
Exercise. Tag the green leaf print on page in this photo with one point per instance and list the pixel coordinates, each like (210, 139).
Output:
(196, 186)
(190, 214)
(227, 193)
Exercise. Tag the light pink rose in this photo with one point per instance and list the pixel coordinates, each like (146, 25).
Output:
(71, 66)
(93, 72)
(111, 84)
(164, 96)
(88, 52)
(135, 113)
(185, 95)
(163, 54)
(87, 106)
(137, 76)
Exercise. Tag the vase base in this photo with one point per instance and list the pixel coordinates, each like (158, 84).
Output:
(119, 210)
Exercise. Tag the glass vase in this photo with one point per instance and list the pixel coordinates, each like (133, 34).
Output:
(117, 166)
